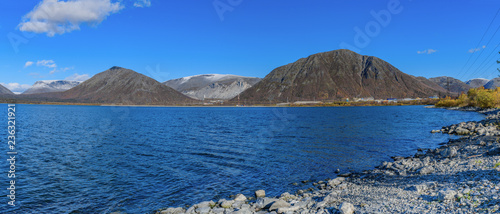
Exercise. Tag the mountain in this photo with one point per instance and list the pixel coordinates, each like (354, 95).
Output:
(212, 86)
(476, 83)
(121, 86)
(493, 83)
(451, 84)
(333, 75)
(4, 90)
(45, 86)
(432, 85)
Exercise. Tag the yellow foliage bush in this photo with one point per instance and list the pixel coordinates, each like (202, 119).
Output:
(478, 97)
(446, 102)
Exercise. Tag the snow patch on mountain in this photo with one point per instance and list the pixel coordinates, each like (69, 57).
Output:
(212, 86)
(46, 86)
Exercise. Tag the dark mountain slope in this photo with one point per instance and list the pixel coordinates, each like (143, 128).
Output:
(336, 74)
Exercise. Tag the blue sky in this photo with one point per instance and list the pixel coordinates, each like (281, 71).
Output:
(167, 39)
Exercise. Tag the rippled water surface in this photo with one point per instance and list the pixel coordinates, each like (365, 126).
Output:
(89, 159)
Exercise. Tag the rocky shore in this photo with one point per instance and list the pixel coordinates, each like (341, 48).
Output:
(462, 176)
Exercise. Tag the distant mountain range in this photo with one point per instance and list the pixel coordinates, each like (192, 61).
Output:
(116, 86)
(476, 83)
(451, 84)
(123, 86)
(330, 75)
(212, 86)
(45, 86)
(337, 74)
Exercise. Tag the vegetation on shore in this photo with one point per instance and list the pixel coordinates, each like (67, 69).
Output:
(370, 103)
(475, 97)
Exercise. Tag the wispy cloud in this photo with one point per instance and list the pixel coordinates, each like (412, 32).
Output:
(16, 87)
(472, 50)
(428, 51)
(78, 77)
(48, 64)
(28, 64)
(142, 3)
(58, 17)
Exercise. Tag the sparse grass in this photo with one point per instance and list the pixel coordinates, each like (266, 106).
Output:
(496, 165)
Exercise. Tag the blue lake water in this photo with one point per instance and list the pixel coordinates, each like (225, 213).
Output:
(90, 159)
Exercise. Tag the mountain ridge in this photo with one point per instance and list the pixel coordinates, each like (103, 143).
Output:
(118, 86)
(46, 86)
(336, 74)
(5, 91)
(212, 86)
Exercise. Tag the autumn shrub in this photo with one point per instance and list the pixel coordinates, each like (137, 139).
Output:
(478, 97)
(447, 102)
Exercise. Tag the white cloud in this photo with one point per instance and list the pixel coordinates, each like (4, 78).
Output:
(16, 87)
(472, 50)
(58, 17)
(51, 64)
(428, 51)
(142, 3)
(46, 63)
(78, 77)
(28, 64)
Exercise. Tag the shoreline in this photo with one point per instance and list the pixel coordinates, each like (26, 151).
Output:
(213, 106)
(461, 176)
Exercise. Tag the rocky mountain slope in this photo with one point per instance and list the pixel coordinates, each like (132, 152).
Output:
(45, 86)
(336, 74)
(476, 83)
(5, 91)
(122, 86)
(493, 83)
(433, 85)
(212, 86)
(451, 84)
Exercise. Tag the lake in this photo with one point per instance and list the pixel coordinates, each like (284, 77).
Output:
(99, 159)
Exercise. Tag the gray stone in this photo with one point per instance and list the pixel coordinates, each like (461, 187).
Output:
(481, 131)
(191, 210)
(218, 210)
(173, 210)
(462, 131)
(240, 197)
(346, 208)
(288, 209)
(426, 170)
(449, 152)
(237, 204)
(264, 203)
(260, 194)
(243, 211)
(205, 204)
(287, 196)
(203, 210)
(330, 198)
(278, 204)
(226, 203)
(336, 181)
(446, 195)
(420, 188)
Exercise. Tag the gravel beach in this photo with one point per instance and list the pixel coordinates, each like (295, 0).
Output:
(461, 176)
